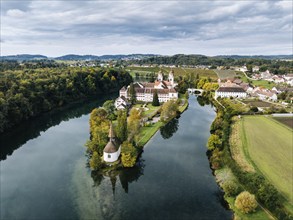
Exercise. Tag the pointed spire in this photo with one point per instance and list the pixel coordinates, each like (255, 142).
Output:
(111, 131)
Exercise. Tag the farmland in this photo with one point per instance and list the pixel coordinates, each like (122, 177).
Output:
(225, 74)
(269, 147)
(288, 121)
(178, 71)
(258, 103)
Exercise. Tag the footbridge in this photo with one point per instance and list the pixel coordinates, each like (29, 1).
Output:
(193, 90)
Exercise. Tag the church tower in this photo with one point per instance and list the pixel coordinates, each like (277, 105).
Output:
(171, 77)
(160, 76)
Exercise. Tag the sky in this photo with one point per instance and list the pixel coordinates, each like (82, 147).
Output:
(166, 27)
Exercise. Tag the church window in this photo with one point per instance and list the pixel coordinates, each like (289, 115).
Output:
(109, 155)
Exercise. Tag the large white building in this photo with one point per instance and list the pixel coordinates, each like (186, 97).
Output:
(113, 149)
(226, 92)
(145, 91)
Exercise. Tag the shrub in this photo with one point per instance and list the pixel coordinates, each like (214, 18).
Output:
(95, 161)
(231, 188)
(246, 202)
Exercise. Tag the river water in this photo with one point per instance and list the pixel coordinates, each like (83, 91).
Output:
(44, 173)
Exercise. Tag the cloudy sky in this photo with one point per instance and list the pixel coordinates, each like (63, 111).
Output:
(210, 27)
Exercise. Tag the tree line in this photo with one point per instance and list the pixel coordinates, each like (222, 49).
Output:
(29, 92)
(275, 66)
(220, 157)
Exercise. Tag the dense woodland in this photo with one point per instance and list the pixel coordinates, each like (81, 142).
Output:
(275, 66)
(28, 92)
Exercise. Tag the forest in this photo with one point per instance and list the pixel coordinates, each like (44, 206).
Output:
(275, 66)
(26, 93)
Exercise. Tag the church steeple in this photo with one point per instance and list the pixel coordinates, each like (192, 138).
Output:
(160, 75)
(171, 76)
(111, 132)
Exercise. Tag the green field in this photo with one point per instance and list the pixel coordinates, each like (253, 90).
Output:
(178, 71)
(270, 149)
(261, 83)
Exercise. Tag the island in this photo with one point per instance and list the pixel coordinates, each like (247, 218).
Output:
(120, 129)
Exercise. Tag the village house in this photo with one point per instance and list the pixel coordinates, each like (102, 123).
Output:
(266, 95)
(266, 74)
(121, 103)
(255, 69)
(226, 92)
(145, 91)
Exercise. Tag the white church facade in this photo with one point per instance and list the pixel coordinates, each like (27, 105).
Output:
(145, 91)
(112, 150)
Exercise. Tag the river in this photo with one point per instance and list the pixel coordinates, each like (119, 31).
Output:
(44, 174)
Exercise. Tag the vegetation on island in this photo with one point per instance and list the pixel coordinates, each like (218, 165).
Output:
(133, 129)
(29, 92)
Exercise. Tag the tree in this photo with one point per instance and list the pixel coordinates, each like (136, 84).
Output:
(110, 108)
(133, 123)
(132, 93)
(155, 99)
(230, 187)
(122, 125)
(129, 154)
(95, 161)
(169, 110)
(214, 142)
(246, 202)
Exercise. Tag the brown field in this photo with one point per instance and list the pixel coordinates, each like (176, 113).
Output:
(285, 120)
(258, 103)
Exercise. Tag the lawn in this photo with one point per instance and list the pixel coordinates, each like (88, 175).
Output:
(263, 83)
(147, 132)
(270, 149)
(225, 74)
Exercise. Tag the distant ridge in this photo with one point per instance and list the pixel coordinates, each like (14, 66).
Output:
(76, 57)
(21, 57)
(266, 57)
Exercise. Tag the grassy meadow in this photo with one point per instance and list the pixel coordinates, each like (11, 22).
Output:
(270, 149)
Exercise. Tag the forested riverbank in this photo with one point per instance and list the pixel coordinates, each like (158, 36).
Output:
(30, 92)
(260, 195)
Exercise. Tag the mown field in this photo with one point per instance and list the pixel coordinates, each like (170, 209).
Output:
(288, 121)
(270, 149)
(225, 74)
(178, 71)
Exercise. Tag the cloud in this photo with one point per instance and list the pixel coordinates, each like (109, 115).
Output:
(166, 27)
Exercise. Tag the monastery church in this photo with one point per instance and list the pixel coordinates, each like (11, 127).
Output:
(144, 91)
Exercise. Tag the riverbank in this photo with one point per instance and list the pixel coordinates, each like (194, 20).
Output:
(149, 130)
(231, 176)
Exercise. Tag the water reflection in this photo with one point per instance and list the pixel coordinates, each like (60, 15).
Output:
(170, 128)
(202, 101)
(125, 176)
(32, 128)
